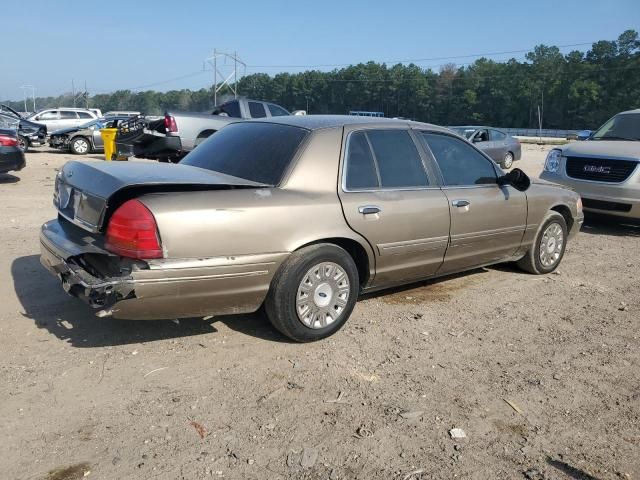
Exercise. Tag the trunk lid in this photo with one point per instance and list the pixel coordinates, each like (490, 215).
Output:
(87, 192)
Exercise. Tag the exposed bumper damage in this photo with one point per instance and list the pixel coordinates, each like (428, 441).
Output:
(158, 289)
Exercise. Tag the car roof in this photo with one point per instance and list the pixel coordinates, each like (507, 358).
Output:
(317, 122)
(635, 110)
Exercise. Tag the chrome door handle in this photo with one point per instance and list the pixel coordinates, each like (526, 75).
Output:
(369, 209)
(461, 203)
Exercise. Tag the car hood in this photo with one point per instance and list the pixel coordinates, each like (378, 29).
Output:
(611, 149)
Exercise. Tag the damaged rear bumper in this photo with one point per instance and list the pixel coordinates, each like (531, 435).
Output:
(156, 289)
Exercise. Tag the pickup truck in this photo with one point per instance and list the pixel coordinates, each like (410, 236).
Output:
(171, 137)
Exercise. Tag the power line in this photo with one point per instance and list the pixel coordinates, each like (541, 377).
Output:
(419, 60)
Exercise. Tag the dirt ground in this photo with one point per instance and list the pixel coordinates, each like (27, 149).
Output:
(541, 373)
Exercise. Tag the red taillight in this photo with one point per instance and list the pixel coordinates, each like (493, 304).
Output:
(7, 141)
(132, 232)
(170, 124)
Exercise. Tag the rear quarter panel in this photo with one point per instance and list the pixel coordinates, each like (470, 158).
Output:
(303, 210)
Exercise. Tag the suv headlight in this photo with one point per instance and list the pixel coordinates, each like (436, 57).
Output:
(552, 163)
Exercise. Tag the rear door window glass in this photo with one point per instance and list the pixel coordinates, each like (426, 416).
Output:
(84, 115)
(459, 162)
(361, 169)
(277, 111)
(66, 115)
(497, 136)
(398, 160)
(256, 110)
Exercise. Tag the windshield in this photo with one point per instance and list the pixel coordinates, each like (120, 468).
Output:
(260, 152)
(624, 126)
(464, 132)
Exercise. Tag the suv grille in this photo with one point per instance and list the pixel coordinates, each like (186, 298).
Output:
(600, 169)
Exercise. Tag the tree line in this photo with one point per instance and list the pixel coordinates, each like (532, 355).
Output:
(572, 91)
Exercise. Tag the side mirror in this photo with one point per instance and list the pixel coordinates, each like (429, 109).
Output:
(477, 139)
(584, 134)
(516, 178)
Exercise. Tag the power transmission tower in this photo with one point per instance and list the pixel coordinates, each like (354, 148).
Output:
(225, 66)
(80, 95)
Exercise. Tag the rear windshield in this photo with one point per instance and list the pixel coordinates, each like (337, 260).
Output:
(260, 152)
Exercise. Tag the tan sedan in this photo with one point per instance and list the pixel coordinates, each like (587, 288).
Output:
(301, 214)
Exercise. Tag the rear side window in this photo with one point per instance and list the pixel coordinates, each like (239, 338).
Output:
(232, 109)
(383, 159)
(361, 169)
(84, 115)
(459, 162)
(256, 110)
(497, 135)
(259, 152)
(277, 111)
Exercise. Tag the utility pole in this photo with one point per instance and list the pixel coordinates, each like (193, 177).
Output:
(73, 92)
(33, 95)
(222, 67)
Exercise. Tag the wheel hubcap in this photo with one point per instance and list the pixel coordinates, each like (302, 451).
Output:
(322, 295)
(508, 160)
(80, 146)
(551, 245)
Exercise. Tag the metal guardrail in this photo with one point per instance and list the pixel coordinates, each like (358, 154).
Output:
(535, 132)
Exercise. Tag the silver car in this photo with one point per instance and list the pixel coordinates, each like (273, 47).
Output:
(604, 168)
(57, 118)
(502, 148)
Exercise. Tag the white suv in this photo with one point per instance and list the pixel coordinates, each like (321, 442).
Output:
(58, 118)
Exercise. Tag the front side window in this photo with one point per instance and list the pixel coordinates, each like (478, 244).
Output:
(256, 110)
(50, 115)
(481, 136)
(459, 162)
(383, 159)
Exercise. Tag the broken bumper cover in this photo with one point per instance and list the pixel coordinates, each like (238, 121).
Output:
(164, 289)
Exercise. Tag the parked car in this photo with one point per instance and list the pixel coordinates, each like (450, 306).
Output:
(173, 136)
(301, 213)
(121, 113)
(96, 111)
(30, 134)
(57, 118)
(11, 155)
(501, 147)
(603, 169)
(83, 139)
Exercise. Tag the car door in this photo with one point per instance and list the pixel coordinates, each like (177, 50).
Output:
(50, 118)
(69, 119)
(390, 196)
(487, 220)
(499, 144)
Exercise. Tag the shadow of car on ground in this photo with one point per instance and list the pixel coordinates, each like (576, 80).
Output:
(69, 319)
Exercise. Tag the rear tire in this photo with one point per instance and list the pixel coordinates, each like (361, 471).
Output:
(313, 293)
(507, 161)
(23, 144)
(80, 146)
(548, 248)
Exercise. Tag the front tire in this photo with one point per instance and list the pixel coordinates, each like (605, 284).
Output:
(547, 250)
(507, 161)
(313, 293)
(79, 146)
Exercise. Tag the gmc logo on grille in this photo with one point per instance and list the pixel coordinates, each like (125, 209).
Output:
(597, 169)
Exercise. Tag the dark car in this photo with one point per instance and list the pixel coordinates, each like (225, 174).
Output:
(501, 147)
(30, 134)
(83, 139)
(11, 155)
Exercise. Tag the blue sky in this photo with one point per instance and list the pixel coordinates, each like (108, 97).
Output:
(130, 44)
